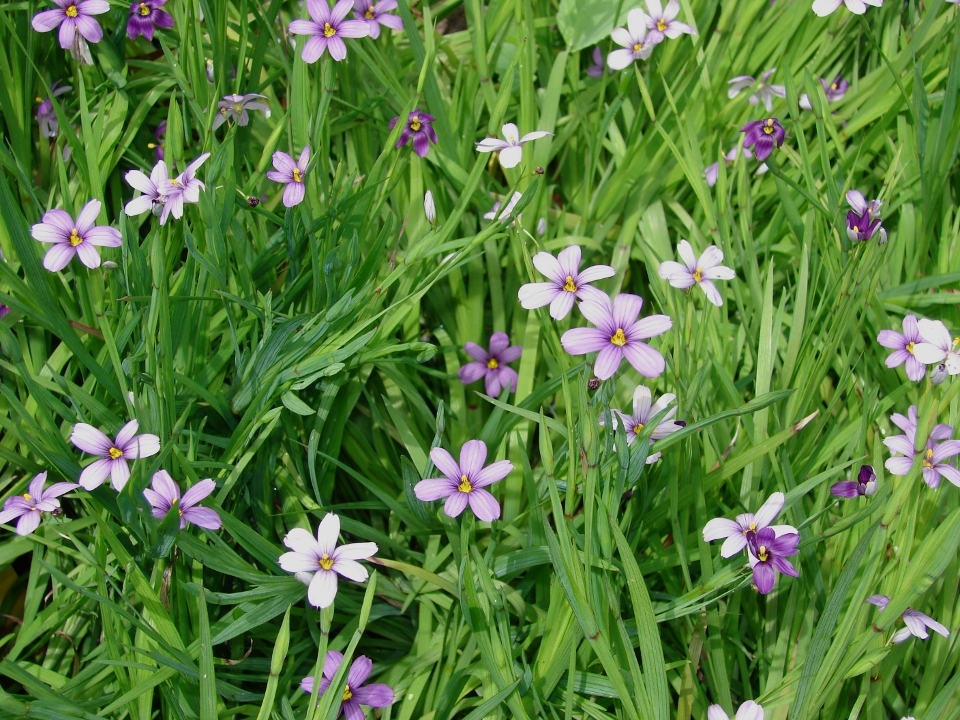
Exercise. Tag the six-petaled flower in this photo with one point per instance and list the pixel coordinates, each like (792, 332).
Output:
(511, 147)
(736, 533)
(492, 366)
(903, 347)
(419, 128)
(864, 485)
(71, 239)
(700, 271)
(146, 16)
(644, 411)
(768, 552)
(566, 284)
(292, 174)
(463, 483)
(915, 622)
(327, 30)
(763, 136)
(355, 691)
(27, 509)
(375, 14)
(113, 454)
(634, 40)
(164, 496)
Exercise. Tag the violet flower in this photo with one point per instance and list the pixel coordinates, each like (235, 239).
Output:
(510, 149)
(184, 188)
(113, 453)
(636, 43)
(768, 553)
(916, 622)
(146, 16)
(375, 15)
(158, 146)
(74, 239)
(618, 334)
(166, 495)
(748, 711)
(324, 559)
(661, 22)
(762, 136)
(30, 506)
(506, 212)
(746, 525)
(713, 171)
(327, 30)
(419, 127)
(643, 413)
(73, 18)
(833, 92)
(46, 116)
(903, 347)
(597, 69)
(865, 484)
(4, 310)
(566, 282)
(235, 107)
(762, 90)
(857, 7)
(492, 366)
(292, 175)
(151, 198)
(932, 456)
(863, 221)
(463, 484)
(937, 346)
(696, 271)
(355, 693)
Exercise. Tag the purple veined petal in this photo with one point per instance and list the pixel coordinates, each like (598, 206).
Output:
(483, 504)
(323, 589)
(391, 21)
(434, 489)
(626, 309)
(456, 503)
(769, 511)
(88, 255)
(675, 29)
(90, 440)
(880, 601)
(376, 695)
(715, 712)
(337, 48)
(159, 503)
(512, 353)
(197, 493)
(95, 474)
(950, 473)
(314, 48)
(857, 201)
(293, 194)
(28, 522)
(644, 359)
(305, 27)
(580, 341)
(784, 545)
(284, 164)
(58, 257)
(473, 455)
(642, 402)
(783, 566)
(676, 273)
(352, 28)
(89, 28)
(941, 431)
(492, 473)
(594, 273)
(471, 372)
(931, 477)
(352, 711)
(916, 626)
(359, 671)
(12, 513)
(295, 562)
(119, 474)
(540, 294)
(356, 551)
(899, 465)
(562, 302)
(350, 569)
(141, 446)
(331, 663)
(302, 542)
(901, 636)
(499, 342)
(445, 463)
(733, 545)
(685, 250)
(650, 326)
(505, 377)
(599, 310)
(945, 450)
(58, 489)
(35, 488)
(49, 232)
(720, 528)
(165, 486)
(845, 489)
(327, 534)
(763, 577)
(891, 339)
(340, 11)
(139, 181)
(203, 517)
(319, 11)
(567, 263)
(421, 145)
(48, 20)
(68, 32)
(608, 361)
(476, 352)
(710, 290)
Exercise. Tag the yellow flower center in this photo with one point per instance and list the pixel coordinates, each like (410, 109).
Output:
(144, 10)
(762, 554)
(698, 274)
(638, 47)
(956, 341)
(927, 458)
(619, 339)
(768, 126)
(569, 285)
(75, 238)
(238, 108)
(637, 428)
(661, 24)
(175, 181)
(909, 347)
(833, 86)
(493, 364)
(297, 177)
(326, 562)
(347, 694)
(369, 13)
(329, 30)
(115, 453)
(464, 485)
(26, 496)
(173, 503)
(71, 11)
(415, 123)
(751, 529)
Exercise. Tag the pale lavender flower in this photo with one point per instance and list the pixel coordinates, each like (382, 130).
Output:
(937, 346)
(146, 16)
(419, 127)
(235, 107)
(327, 30)
(857, 7)
(865, 484)
(736, 532)
(185, 188)
(617, 335)
(292, 174)
(463, 484)
(46, 116)
(33, 503)
(903, 347)
(566, 282)
(833, 91)
(377, 14)
(510, 149)
(596, 70)
(113, 453)
(915, 621)
(166, 494)
(661, 22)
(492, 366)
(748, 711)
(763, 91)
(70, 239)
(762, 136)
(697, 271)
(355, 693)
(151, 198)
(506, 212)
(767, 553)
(932, 456)
(73, 18)
(644, 410)
(324, 559)
(636, 43)
(713, 171)
(863, 221)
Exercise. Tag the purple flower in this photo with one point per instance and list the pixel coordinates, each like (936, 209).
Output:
(746, 525)
(865, 484)
(833, 92)
(932, 456)
(492, 365)
(46, 117)
(158, 146)
(355, 693)
(4, 310)
(420, 127)
(697, 271)
(375, 15)
(661, 21)
(762, 135)
(916, 622)
(768, 553)
(567, 282)
(234, 107)
(463, 484)
(328, 28)
(643, 413)
(185, 188)
(596, 70)
(292, 174)
(35, 501)
(113, 453)
(152, 198)
(146, 16)
(713, 170)
(618, 334)
(863, 220)
(324, 559)
(71, 238)
(857, 7)
(748, 711)
(166, 494)
(903, 347)
(637, 44)
(762, 90)
(73, 18)
(510, 149)
(937, 346)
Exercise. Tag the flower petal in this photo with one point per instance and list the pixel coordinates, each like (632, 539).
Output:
(328, 533)
(492, 473)
(350, 569)
(356, 551)
(455, 504)
(445, 463)
(645, 360)
(206, 518)
(721, 528)
(483, 504)
(197, 493)
(473, 455)
(323, 589)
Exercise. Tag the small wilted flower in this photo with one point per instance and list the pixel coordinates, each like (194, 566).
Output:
(767, 553)
(166, 495)
(596, 70)
(492, 366)
(355, 693)
(566, 282)
(76, 23)
(463, 484)
(696, 271)
(915, 621)
(863, 221)
(736, 532)
(857, 7)
(429, 209)
(377, 14)
(644, 410)
(865, 484)
(292, 174)
(762, 136)
(419, 127)
(510, 149)
(235, 107)
(661, 22)
(158, 146)
(46, 116)
(146, 16)
(833, 92)
(30, 506)
(748, 711)
(762, 90)
(903, 347)
(74, 239)
(327, 30)
(636, 43)
(713, 171)
(113, 453)
(185, 188)
(938, 346)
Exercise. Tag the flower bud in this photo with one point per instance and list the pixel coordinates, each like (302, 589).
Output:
(938, 374)
(253, 201)
(209, 70)
(539, 170)
(593, 383)
(542, 227)
(429, 208)
(882, 237)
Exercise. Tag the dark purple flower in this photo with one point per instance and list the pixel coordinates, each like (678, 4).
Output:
(916, 622)
(768, 555)
(73, 18)
(597, 69)
(492, 366)
(865, 484)
(863, 221)
(166, 495)
(420, 128)
(762, 136)
(35, 501)
(70, 239)
(463, 484)
(235, 108)
(158, 146)
(833, 91)
(355, 693)
(736, 532)
(903, 346)
(146, 16)
(292, 174)
(375, 15)
(4, 310)
(46, 117)
(328, 28)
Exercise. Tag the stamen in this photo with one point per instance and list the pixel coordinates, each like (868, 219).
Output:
(493, 364)
(569, 285)
(144, 9)
(72, 11)
(26, 496)
(347, 693)
(326, 562)
(75, 238)
(661, 24)
(115, 453)
(698, 275)
(415, 123)
(909, 347)
(637, 428)
(465, 485)
(297, 177)
(762, 554)
(618, 338)
(638, 47)
(329, 30)
(368, 14)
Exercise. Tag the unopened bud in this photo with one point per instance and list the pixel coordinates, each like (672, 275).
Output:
(938, 374)
(209, 71)
(593, 383)
(882, 237)
(429, 208)
(253, 201)
(539, 170)
(109, 265)
(542, 227)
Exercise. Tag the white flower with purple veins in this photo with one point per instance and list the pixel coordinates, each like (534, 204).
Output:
(661, 21)
(322, 561)
(644, 410)
(636, 43)
(506, 212)
(763, 91)
(916, 622)
(697, 271)
(30, 506)
(748, 711)
(113, 454)
(292, 174)
(903, 348)
(857, 7)
(151, 199)
(235, 107)
(713, 171)
(937, 346)
(511, 148)
(74, 239)
(567, 282)
(184, 188)
(165, 495)
(738, 531)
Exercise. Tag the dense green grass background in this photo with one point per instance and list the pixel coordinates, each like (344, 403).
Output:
(307, 360)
